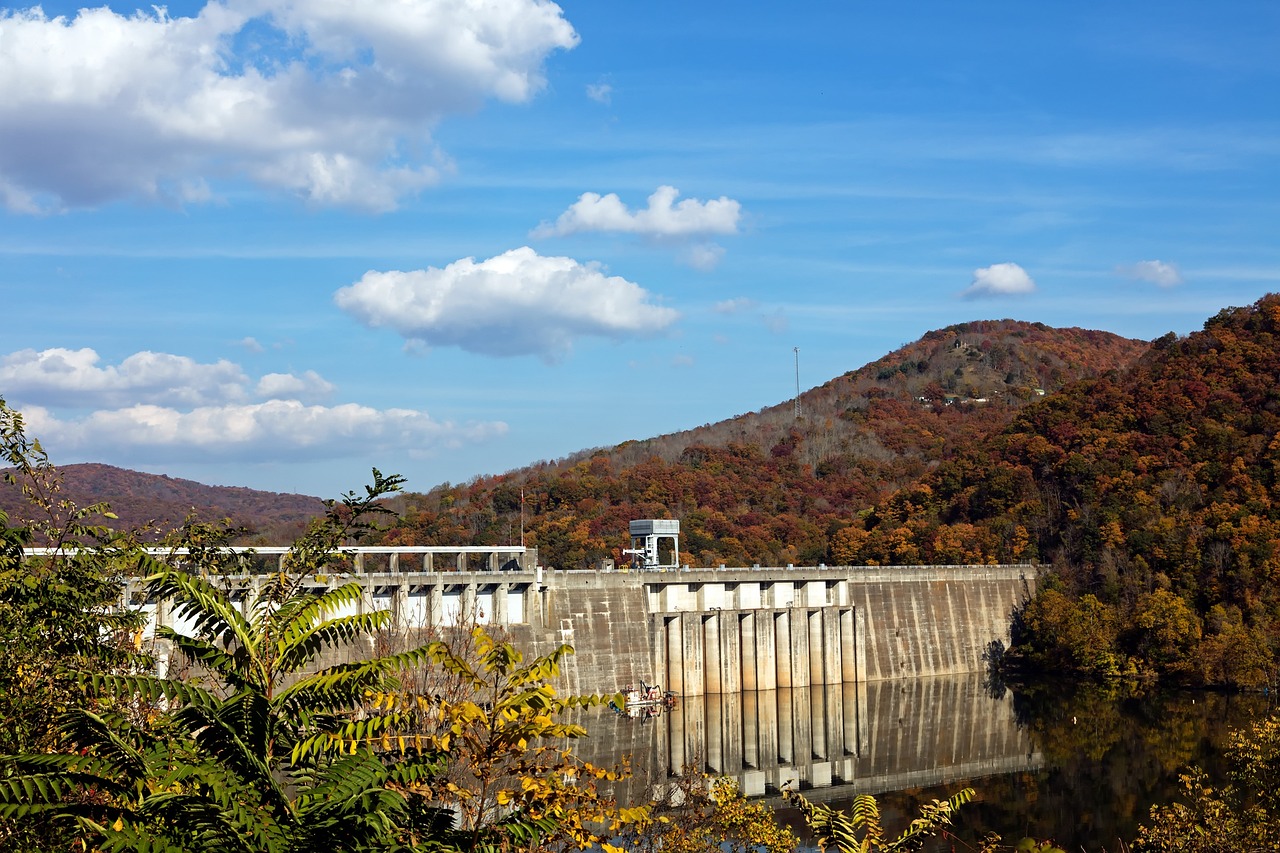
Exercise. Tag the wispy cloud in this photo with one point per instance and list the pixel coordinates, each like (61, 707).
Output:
(601, 93)
(739, 305)
(776, 321)
(703, 256)
(1154, 272)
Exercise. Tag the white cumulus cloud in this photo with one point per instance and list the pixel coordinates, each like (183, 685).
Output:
(1154, 272)
(68, 378)
(999, 280)
(271, 430)
(308, 387)
(664, 217)
(61, 376)
(158, 407)
(332, 101)
(517, 303)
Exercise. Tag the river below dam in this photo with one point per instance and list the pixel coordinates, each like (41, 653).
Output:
(1081, 765)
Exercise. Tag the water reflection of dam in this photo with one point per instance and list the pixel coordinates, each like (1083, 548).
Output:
(857, 738)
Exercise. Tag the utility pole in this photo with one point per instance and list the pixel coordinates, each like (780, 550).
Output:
(797, 352)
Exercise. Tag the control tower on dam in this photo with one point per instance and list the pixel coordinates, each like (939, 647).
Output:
(696, 632)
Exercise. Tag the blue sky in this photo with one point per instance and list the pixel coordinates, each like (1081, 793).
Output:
(274, 244)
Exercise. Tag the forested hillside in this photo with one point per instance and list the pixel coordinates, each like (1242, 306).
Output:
(140, 500)
(1153, 493)
(768, 487)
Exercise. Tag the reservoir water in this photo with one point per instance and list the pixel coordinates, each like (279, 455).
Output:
(1081, 765)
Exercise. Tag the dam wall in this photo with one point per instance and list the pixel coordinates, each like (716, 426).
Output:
(935, 620)
(603, 616)
(729, 631)
(708, 632)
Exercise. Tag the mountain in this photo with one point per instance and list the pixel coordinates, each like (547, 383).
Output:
(771, 487)
(1154, 492)
(142, 500)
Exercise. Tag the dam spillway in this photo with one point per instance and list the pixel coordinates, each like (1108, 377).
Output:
(731, 630)
(701, 631)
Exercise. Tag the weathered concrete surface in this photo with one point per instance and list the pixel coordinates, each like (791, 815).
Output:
(603, 617)
(935, 620)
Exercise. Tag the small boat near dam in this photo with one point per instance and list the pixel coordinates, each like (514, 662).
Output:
(646, 700)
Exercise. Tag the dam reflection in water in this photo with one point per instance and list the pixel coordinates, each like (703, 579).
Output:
(852, 738)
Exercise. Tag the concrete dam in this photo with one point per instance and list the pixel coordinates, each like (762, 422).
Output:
(696, 632)
(837, 678)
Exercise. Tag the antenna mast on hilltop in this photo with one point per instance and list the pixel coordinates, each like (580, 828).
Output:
(797, 352)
